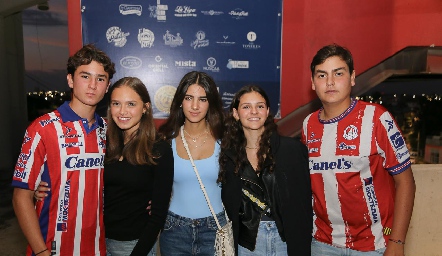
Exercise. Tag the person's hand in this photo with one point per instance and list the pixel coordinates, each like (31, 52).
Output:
(394, 249)
(149, 207)
(41, 192)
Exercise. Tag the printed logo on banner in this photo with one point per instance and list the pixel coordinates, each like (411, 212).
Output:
(117, 36)
(211, 65)
(238, 14)
(131, 62)
(200, 40)
(127, 9)
(158, 11)
(145, 37)
(227, 98)
(225, 42)
(185, 64)
(185, 11)
(163, 98)
(171, 40)
(158, 67)
(251, 37)
(237, 64)
(212, 13)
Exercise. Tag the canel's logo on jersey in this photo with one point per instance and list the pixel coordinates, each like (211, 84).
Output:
(341, 164)
(350, 133)
(75, 162)
(372, 200)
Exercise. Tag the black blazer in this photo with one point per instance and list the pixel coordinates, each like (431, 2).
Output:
(293, 180)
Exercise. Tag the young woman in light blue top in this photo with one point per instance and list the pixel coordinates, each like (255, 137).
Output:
(190, 228)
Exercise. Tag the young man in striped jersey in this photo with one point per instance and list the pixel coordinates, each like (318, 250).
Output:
(360, 169)
(66, 148)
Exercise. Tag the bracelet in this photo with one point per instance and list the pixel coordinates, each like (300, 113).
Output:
(396, 241)
(41, 251)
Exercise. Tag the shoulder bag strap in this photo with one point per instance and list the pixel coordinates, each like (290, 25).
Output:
(198, 177)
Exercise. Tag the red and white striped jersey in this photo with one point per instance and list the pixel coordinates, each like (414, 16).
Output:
(61, 149)
(352, 159)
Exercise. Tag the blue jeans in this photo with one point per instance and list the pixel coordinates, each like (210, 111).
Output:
(124, 248)
(320, 249)
(268, 242)
(185, 236)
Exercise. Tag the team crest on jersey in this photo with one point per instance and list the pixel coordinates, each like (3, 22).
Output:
(351, 132)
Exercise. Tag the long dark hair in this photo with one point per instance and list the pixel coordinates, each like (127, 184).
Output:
(214, 117)
(138, 151)
(235, 140)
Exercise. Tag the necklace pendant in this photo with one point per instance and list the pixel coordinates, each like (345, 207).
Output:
(194, 140)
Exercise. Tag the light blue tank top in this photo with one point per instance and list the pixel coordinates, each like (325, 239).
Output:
(187, 197)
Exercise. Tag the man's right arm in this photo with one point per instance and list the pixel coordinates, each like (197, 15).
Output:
(23, 203)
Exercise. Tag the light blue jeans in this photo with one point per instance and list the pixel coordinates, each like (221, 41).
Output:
(186, 236)
(321, 249)
(268, 242)
(124, 248)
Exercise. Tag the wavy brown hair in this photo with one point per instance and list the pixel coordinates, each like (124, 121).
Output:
(214, 116)
(235, 140)
(86, 55)
(138, 151)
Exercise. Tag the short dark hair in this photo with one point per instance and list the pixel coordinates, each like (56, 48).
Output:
(214, 115)
(330, 51)
(86, 55)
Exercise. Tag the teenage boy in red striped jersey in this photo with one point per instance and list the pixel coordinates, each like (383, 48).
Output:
(66, 148)
(360, 169)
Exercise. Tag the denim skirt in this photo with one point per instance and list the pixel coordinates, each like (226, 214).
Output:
(186, 236)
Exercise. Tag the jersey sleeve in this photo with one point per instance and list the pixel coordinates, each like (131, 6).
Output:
(31, 160)
(392, 144)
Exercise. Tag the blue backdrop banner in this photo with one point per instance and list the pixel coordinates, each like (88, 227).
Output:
(159, 41)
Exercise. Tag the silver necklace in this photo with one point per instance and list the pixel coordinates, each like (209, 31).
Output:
(204, 141)
(195, 138)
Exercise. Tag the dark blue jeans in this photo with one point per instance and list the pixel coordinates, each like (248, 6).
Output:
(185, 236)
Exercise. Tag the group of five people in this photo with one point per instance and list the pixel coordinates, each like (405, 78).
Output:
(347, 184)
